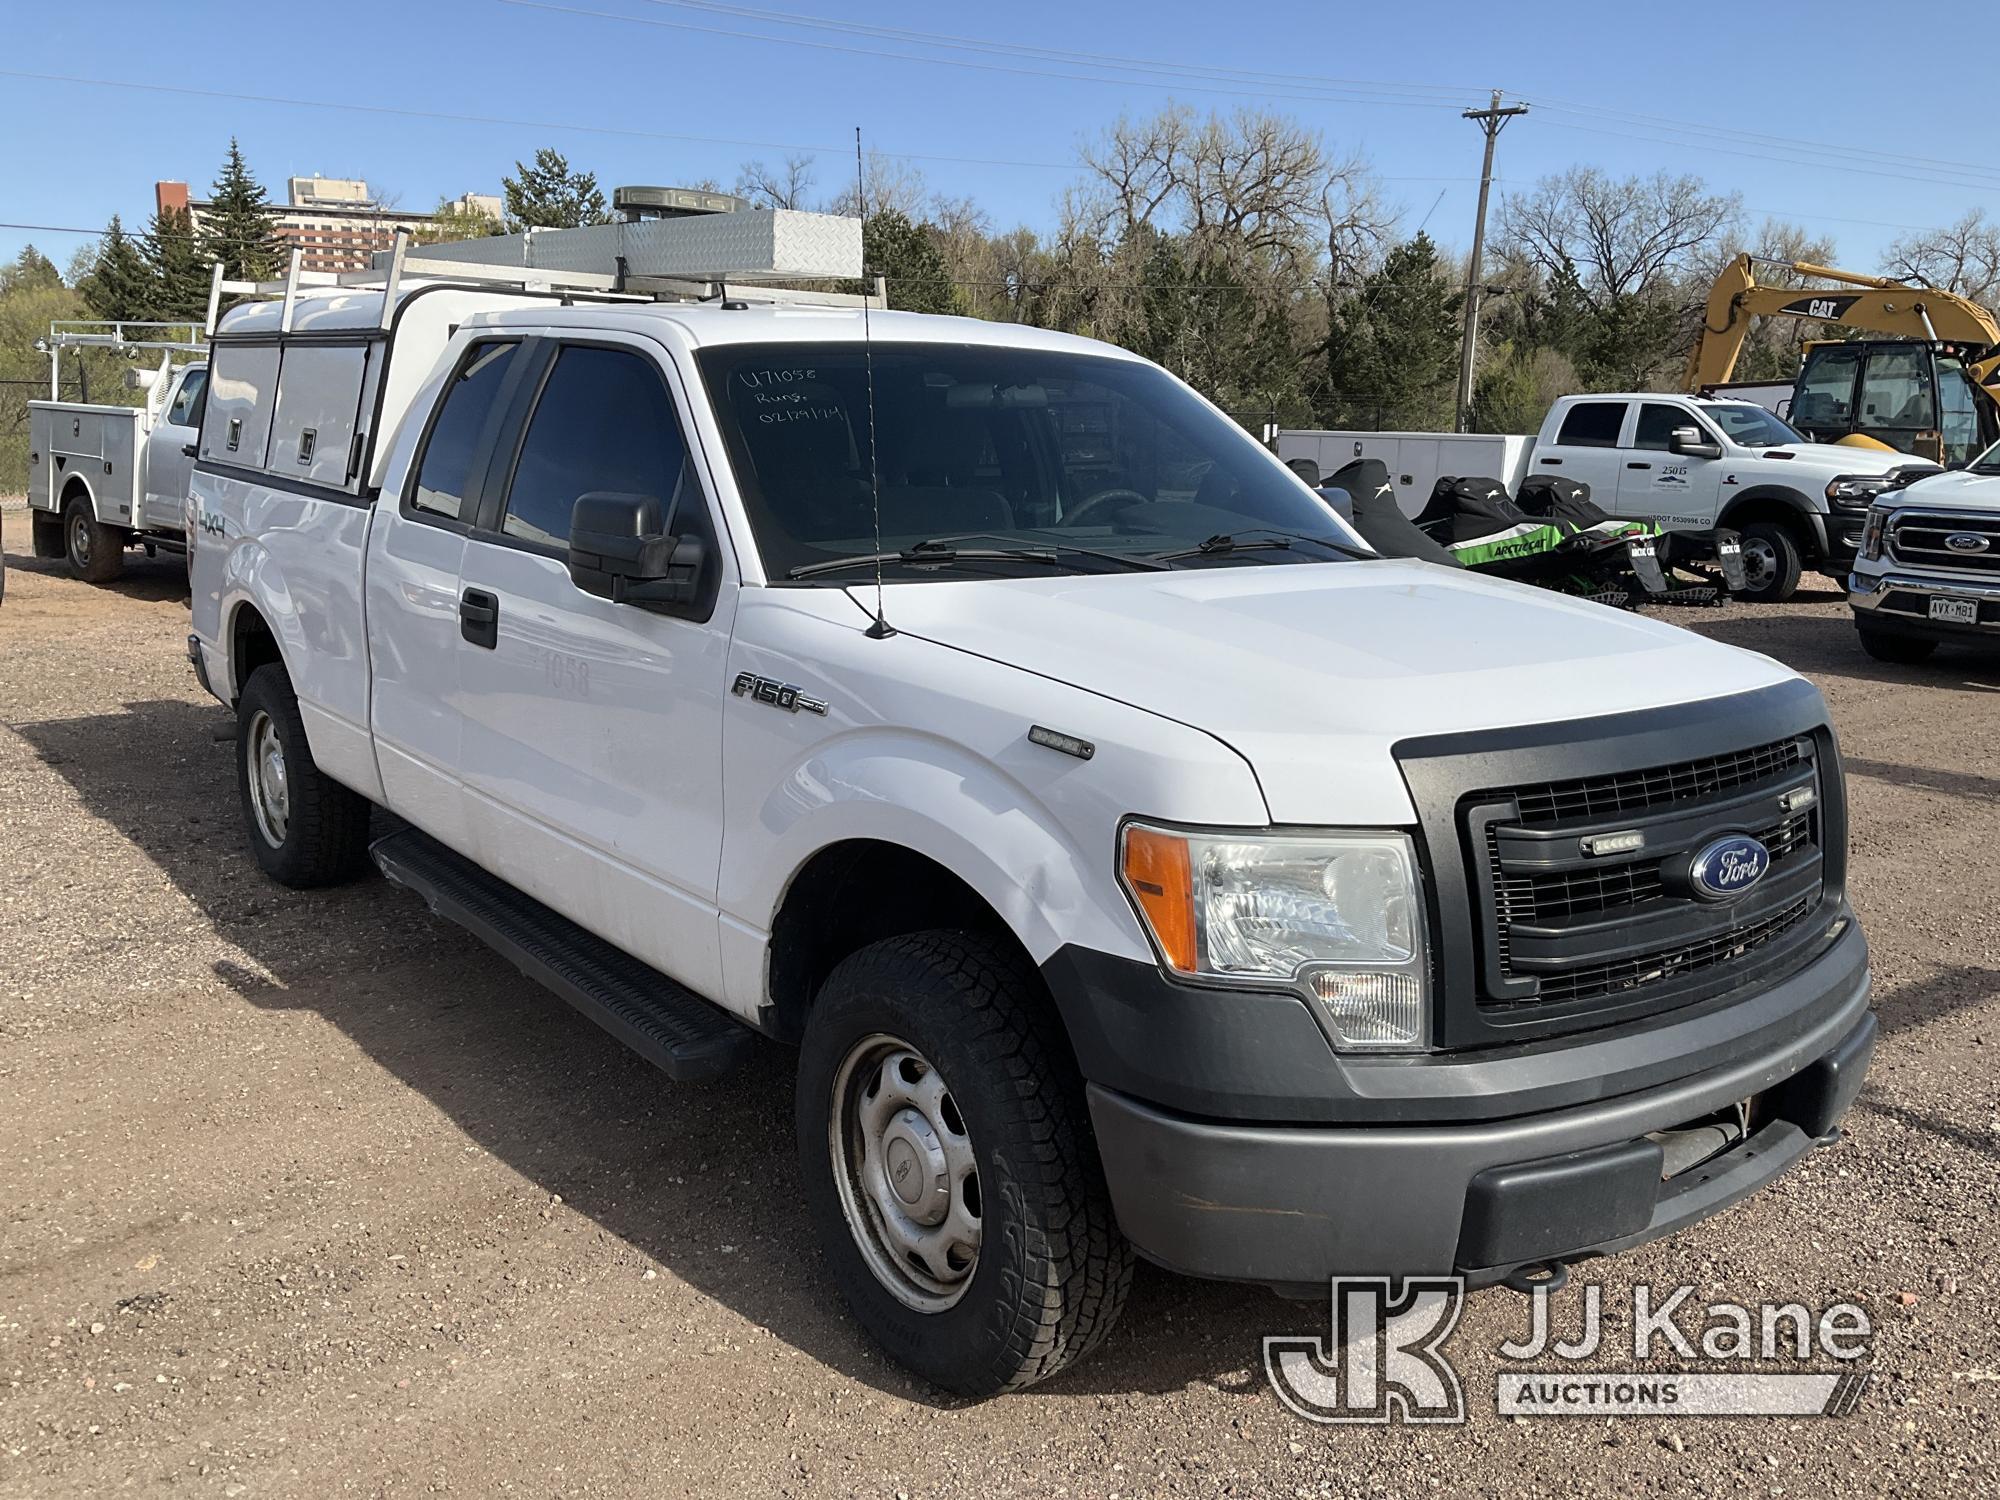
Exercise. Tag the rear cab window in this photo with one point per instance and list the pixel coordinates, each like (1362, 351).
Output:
(458, 433)
(1592, 424)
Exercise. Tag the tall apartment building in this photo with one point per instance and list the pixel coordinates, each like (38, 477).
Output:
(334, 222)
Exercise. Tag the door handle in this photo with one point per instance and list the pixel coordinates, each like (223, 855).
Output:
(479, 618)
(1553, 463)
(188, 450)
(1638, 466)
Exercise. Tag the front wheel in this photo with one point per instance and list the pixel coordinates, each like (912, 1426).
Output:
(1772, 562)
(1889, 646)
(305, 828)
(96, 551)
(950, 1168)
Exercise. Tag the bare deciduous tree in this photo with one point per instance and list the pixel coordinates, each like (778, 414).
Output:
(786, 186)
(1962, 258)
(1631, 238)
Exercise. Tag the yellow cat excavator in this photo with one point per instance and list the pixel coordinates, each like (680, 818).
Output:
(1932, 388)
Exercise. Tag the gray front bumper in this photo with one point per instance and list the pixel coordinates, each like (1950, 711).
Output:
(1900, 601)
(1294, 1205)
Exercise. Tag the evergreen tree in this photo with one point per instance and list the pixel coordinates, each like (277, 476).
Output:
(31, 271)
(548, 195)
(119, 284)
(909, 256)
(178, 272)
(1393, 347)
(237, 226)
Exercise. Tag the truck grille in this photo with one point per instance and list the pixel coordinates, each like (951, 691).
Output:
(1564, 929)
(1923, 538)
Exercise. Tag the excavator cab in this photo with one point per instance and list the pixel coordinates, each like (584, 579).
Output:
(1912, 396)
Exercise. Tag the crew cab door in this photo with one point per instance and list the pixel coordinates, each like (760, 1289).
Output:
(1586, 449)
(592, 750)
(1676, 489)
(170, 452)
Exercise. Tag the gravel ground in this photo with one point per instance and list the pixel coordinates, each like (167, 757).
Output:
(310, 1195)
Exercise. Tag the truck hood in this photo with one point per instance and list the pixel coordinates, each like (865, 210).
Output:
(1957, 489)
(1312, 672)
(1830, 459)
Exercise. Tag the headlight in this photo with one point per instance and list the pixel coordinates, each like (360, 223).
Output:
(1336, 916)
(1857, 491)
(1871, 534)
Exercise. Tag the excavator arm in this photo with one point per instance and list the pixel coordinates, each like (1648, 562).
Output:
(1873, 303)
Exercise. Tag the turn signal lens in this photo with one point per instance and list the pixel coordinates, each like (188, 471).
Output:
(1157, 875)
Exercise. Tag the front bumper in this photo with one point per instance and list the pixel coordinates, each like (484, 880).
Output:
(1480, 1165)
(1900, 603)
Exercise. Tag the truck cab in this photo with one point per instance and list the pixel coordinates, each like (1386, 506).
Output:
(1139, 865)
(1694, 463)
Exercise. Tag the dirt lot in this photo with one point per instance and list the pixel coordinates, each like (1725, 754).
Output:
(309, 1195)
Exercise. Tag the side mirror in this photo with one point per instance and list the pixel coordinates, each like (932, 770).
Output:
(1689, 443)
(618, 551)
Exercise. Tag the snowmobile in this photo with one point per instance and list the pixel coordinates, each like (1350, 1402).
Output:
(1551, 535)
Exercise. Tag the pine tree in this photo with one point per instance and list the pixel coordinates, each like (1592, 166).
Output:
(548, 195)
(176, 267)
(31, 271)
(1393, 347)
(237, 226)
(119, 285)
(907, 254)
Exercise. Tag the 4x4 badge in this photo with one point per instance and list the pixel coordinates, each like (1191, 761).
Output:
(778, 694)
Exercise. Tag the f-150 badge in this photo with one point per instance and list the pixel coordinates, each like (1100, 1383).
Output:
(783, 695)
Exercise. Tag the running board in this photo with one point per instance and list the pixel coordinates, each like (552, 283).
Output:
(670, 1026)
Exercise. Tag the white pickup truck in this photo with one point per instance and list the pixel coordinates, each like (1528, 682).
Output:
(1690, 463)
(1929, 566)
(1138, 864)
(102, 479)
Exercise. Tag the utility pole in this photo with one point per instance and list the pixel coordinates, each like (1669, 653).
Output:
(1492, 120)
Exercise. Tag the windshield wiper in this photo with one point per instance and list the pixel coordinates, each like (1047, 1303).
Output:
(929, 554)
(1123, 559)
(1262, 539)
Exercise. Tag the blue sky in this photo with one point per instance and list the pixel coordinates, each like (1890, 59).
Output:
(1803, 128)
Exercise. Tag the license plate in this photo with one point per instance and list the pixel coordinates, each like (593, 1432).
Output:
(1955, 611)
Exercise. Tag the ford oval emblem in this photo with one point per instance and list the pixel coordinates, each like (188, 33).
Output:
(1966, 541)
(1728, 867)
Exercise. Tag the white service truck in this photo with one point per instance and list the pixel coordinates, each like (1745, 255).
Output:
(1137, 863)
(1928, 572)
(1691, 463)
(102, 478)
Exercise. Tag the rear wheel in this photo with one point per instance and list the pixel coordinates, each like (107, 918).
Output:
(96, 551)
(1772, 562)
(949, 1165)
(305, 828)
(1886, 645)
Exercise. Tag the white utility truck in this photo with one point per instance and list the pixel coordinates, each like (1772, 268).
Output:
(1137, 862)
(1929, 567)
(105, 478)
(1688, 462)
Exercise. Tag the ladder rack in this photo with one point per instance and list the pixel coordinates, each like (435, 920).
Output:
(778, 256)
(123, 337)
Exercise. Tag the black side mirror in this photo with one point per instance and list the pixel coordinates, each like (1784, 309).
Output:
(618, 551)
(1689, 443)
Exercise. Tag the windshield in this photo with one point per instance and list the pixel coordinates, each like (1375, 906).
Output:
(1752, 426)
(1105, 462)
(1987, 462)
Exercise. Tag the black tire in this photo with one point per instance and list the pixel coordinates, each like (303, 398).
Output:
(321, 837)
(1891, 646)
(1051, 1271)
(1784, 562)
(96, 552)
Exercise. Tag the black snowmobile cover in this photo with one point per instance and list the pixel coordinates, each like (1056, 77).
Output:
(1381, 522)
(1464, 510)
(1567, 502)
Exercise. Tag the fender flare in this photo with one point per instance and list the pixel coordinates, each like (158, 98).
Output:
(60, 493)
(1812, 517)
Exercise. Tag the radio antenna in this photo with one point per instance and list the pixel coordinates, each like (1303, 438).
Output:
(881, 629)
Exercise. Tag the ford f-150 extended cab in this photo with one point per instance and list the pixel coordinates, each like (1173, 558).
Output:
(1691, 463)
(1137, 862)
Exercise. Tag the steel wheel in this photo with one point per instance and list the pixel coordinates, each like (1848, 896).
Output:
(903, 1163)
(79, 536)
(1760, 563)
(270, 790)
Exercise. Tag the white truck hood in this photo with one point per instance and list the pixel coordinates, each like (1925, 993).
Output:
(1957, 489)
(1311, 672)
(1829, 459)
